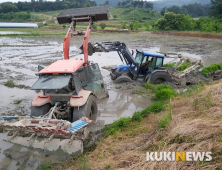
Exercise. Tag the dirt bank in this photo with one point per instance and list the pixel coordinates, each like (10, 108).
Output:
(196, 126)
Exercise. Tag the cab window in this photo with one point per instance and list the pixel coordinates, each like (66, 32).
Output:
(159, 62)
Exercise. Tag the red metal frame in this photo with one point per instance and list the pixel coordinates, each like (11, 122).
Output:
(67, 39)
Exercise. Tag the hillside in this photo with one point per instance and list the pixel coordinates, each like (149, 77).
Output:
(158, 5)
(195, 126)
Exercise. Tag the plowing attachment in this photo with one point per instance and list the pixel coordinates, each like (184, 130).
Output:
(47, 134)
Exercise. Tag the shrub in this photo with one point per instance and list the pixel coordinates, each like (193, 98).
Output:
(213, 67)
(9, 83)
(115, 16)
(94, 26)
(123, 25)
(102, 25)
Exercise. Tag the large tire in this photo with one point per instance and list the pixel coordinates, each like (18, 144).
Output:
(40, 110)
(122, 79)
(89, 109)
(160, 77)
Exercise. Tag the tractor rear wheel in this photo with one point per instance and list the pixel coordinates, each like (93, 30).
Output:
(122, 79)
(40, 110)
(89, 109)
(160, 77)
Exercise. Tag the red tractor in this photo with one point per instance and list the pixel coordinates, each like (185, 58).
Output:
(71, 85)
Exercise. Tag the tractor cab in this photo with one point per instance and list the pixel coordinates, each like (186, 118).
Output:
(148, 62)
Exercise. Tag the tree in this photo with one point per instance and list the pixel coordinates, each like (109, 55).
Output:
(107, 3)
(163, 11)
(136, 25)
(102, 25)
(216, 8)
(123, 25)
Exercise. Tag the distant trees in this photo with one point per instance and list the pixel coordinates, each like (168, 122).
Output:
(136, 4)
(183, 22)
(216, 9)
(41, 5)
(195, 10)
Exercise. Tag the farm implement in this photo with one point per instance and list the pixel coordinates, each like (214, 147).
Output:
(66, 103)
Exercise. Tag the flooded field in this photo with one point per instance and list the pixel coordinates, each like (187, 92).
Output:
(19, 60)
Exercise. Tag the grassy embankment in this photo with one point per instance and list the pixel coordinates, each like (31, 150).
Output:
(191, 121)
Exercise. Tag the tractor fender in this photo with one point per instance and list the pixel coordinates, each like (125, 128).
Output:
(159, 76)
(80, 99)
(40, 99)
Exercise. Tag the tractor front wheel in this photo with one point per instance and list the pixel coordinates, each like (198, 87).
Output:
(160, 77)
(37, 111)
(122, 79)
(89, 109)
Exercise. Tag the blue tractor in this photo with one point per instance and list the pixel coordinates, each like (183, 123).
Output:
(145, 65)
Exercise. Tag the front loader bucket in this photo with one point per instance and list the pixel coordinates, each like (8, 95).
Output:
(99, 13)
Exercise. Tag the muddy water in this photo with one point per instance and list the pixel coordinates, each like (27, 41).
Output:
(19, 58)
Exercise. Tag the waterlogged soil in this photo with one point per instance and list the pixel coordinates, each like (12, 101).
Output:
(20, 56)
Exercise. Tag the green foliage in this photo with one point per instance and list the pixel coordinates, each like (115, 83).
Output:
(9, 83)
(164, 94)
(84, 165)
(136, 25)
(46, 166)
(119, 124)
(115, 16)
(16, 17)
(184, 66)
(169, 65)
(123, 25)
(147, 25)
(213, 67)
(102, 25)
(137, 117)
(107, 167)
(94, 26)
(164, 121)
(17, 101)
(41, 5)
(182, 22)
(216, 8)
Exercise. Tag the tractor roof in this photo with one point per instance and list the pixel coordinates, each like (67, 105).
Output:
(151, 54)
(63, 66)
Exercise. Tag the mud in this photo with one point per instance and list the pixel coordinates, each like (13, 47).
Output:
(19, 60)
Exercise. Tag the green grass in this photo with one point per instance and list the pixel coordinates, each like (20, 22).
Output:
(17, 101)
(213, 67)
(164, 121)
(9, 83)
(46, 166)
(169, 65)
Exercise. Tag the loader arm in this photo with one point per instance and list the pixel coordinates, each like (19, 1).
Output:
(121, 48)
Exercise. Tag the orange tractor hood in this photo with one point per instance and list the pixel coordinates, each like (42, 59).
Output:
(63, 66)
